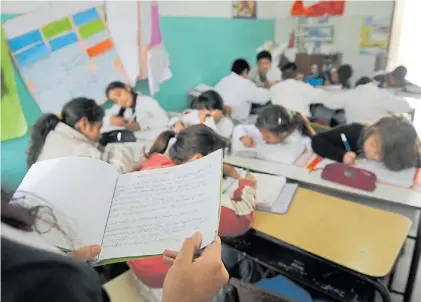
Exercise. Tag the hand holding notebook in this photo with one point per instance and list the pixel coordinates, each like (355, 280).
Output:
(132, 215)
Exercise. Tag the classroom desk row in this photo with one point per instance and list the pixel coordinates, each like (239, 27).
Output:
(400, 199)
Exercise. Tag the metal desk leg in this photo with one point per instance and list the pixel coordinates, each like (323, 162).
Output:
(414, 266)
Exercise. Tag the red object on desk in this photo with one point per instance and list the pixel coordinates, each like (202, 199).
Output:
(311, 166)
(350, 176)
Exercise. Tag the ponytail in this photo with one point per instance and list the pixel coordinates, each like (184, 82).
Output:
(160, 144)
(39, 133)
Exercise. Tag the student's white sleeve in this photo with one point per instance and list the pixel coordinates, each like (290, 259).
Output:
(149, 114)
(332, 100)
(239, 132)
(223, 127)
(110, 112)
(275, 75)
(253, 73)
(394, 104)
(257, 95)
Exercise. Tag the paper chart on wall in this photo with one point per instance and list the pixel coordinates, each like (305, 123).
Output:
(63, 51)
(135, 28)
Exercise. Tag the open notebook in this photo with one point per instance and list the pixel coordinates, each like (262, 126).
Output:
(273, 193)
(281, 153)
(131, 215)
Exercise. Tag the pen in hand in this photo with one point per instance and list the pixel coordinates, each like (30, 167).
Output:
(345, 141)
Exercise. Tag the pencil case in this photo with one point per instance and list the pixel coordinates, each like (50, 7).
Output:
(350, 176)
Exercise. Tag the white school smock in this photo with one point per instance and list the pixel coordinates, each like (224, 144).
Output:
(190, 117)
(365, 103)
(240, 93)
(148, 114)
(294, 95)
(274, 74)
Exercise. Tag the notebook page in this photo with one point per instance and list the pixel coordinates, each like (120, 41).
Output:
(79, 191)
(157, 209)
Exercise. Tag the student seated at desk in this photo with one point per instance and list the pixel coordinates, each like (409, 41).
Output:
(207, 109)
(75, 132)
(365, 103)
(340, 77)
(392, 140)
(239, 92)
(237, 214)
(293, 94)
(265, 74)
(275, 124)
(132, 111)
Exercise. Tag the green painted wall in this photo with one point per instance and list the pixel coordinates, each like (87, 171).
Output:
(200, 49)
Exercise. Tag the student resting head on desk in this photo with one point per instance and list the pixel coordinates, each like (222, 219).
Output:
(394, 79)
(237, 214)
(391, 140)
(75, 132)
(34, 271)
(207, 109)
(274, 124)
(265, 74)
(132, 111)
(239, 92)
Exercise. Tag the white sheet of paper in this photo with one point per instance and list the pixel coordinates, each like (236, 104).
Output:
(79, 190)
(157, 209)
(282, 203)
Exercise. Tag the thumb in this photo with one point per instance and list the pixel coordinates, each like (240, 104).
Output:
(86, 253)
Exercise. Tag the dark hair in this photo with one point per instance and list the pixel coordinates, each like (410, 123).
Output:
(400, 148)
(71, 113)
(239, 66)
(264, 55)
(195, 139)
(121, 85)
(210, 100)
(364, 81)
(399, 74)
(344, 74)
(277, 119)
(289, 71)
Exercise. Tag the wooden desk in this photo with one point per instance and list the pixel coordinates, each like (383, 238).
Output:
(123, 289)
(396, 195)
(360, 238)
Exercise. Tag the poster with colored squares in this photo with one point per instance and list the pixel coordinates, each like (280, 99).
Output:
(63, 51)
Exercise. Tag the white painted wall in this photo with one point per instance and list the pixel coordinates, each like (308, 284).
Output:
(209, 8)
(346, 31)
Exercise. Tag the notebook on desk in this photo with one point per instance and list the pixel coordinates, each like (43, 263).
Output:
(281, 153)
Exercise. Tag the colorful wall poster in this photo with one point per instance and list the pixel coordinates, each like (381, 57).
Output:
(63, 51)
(136, 31)
(13, 123)
(374, 35)
(320, 9)
(243, 9)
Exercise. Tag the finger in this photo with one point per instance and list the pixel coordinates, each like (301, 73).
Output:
(168, 261)
(213, 250)
(170, 254)
(86, 253)
(190, 245)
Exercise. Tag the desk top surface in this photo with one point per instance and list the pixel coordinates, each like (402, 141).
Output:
(383, 192)
(361, 238)
(123, 289)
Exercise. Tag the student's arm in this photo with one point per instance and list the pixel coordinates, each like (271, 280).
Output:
(110, 113)
(149, 114)
(120, 156)
(332, 100)
(393, 103)
(223, 127)
(239, 132)
(237, 212)
(329, 144)
(257, 95)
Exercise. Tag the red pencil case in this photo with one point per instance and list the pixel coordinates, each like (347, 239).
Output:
(350, 176)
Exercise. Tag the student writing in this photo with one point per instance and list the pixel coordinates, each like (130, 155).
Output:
(264, 73)
(207, 109)
(239, 92)
(132, 111)
(365, 103)
(275, 124)
(236, 214)
(293, 94)
(76, 133)
(391, 140)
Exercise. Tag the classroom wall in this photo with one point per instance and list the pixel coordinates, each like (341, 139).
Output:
(202, 40)
(346, 30)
